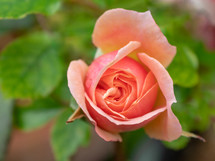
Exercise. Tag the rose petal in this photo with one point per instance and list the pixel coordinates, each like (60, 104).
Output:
(149, 82)
(144, 105)
(161, 100)
(116, 27)
(107, 136)
(133, 67)
(166, 126)
(125, 81)
(163, 78)
(100, 65)
(106, 122)
(76, 74)
(104, 107)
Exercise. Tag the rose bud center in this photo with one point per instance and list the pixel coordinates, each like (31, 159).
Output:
(126, 90)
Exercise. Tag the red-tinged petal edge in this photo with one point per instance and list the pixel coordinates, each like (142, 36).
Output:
(132, 122)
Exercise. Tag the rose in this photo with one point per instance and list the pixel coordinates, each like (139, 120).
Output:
(128, 86)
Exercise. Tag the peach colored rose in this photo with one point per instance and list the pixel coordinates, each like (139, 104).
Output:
(128, 86)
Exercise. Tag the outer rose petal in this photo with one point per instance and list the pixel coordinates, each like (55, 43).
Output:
(76, 75)
(107, 136)
(166, 126)
(116, 27)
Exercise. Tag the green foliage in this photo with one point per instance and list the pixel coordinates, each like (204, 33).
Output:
(194, 110)
(138, 5)
(6, 110)
(12, 25)
(178, 144)
(62, 93)
(36, 114)
(31, 67)
(19, 8)
(205, 57)
(77, 38)
(183, 69)
(66, 138)
(131, 140)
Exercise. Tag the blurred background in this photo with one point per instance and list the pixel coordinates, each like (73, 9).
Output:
(39, 38)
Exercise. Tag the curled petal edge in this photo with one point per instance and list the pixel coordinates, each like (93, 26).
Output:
(166, 126)
(76, 74)
(116, 27)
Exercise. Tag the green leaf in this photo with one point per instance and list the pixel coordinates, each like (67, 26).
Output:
(178, 144)
(205, 57)
(137, 5)
(194, 110)
(37, 114)
(131, 141)
(6, 110)
(11, 25)
(193, 60)
(62, 92)
(67, 138)
(182, 93)
(20, 8)
(183, 69)
(99, 3)
(78, 37)
(73, 103)
(31, 67)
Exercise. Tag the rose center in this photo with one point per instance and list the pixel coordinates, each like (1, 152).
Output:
(112, 92)
(117, 89)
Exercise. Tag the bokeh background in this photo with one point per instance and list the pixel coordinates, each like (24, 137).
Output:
(39, 38)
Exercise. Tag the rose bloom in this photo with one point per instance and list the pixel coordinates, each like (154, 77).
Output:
(127, 87)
